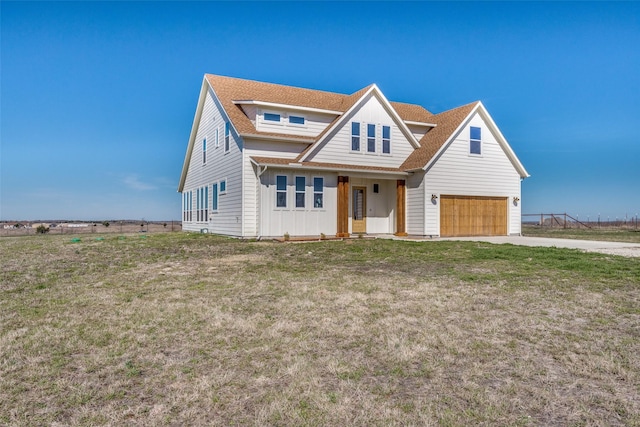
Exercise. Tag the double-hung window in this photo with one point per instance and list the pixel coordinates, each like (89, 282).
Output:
(318, 190)
(355, 136)
(300, 191)
(386, 140)
(214, 197)
(281, 191)
(187, 205)
(475, 140)
(202, 204)
(226, 136)
(204, 151)
(371, 138)
(223, 186)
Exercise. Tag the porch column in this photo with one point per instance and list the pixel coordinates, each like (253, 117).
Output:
(343, 207)
(401, 191)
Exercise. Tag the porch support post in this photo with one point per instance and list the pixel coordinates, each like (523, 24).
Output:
(401, 215)
(343, 206)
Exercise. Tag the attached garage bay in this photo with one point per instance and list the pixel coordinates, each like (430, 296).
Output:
(473, 216)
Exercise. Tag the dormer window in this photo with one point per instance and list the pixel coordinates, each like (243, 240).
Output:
(272, 117)
(296, 120)
(475, 141)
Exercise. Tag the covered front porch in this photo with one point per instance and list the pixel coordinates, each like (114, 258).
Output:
(370, 205)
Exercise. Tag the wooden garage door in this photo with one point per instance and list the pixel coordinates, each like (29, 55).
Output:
(473, 216)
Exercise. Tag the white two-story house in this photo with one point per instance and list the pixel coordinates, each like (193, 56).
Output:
(265, 160)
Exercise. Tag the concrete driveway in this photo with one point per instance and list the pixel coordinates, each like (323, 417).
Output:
(612, 248)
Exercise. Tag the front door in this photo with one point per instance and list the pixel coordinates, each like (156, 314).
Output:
(359, 210)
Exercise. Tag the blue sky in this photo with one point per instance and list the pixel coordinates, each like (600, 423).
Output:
(98, 99)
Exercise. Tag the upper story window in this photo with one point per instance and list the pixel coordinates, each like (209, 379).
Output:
(217, 138)
(300, 191)
(371, 138)
(223, 186)
(355, 136)
(204, 151)
(386, 139)
(226, 136)
(272, 117)
(296, 120)
(475, 140)
(281, 191)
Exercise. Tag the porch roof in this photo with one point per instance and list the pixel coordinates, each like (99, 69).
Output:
(338, 167)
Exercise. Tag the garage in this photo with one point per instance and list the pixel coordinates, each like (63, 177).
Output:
(473, 216)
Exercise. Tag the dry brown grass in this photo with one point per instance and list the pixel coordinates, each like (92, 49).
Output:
(182, 329)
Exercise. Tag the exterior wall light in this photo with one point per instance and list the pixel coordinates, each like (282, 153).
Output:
(516, 199)
(434, 196)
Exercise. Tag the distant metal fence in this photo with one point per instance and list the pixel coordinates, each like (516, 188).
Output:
(564, 220)
(25, 228)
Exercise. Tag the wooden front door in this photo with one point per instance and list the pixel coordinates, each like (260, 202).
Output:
(473, 216)
(359, 210)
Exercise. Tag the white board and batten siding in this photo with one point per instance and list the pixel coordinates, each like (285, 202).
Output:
(457, 172)
(251, 189)
(416, 200)
(314, 123)
(220, 165)
(337, 149)
(308, 221)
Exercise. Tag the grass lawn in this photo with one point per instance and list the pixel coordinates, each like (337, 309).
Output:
(611, 234)
(185, 329)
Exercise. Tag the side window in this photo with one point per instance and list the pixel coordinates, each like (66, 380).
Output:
(223, 186)
(475, 141)
(214, 197)
(281, 191)
(355, 136)
(204, 151)
(318, 192)
(300, 191)
(226, 136)
(386, 140)
(371, 138)
(217, 138)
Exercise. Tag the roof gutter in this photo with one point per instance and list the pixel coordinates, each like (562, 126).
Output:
(332, 169)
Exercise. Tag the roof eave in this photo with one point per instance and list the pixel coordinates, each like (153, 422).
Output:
(277, 138)
(287, 107)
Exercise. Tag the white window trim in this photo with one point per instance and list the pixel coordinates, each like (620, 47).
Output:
(227, 138)
(205, 149)
(359, 150)
(382, 153)
(217, 137)
(296, 192)
(314, 192)
(478, 140)
(226, 187)
(217, 191)
(296, 125)
(375, 140)
(272, 122)
(286, 193)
